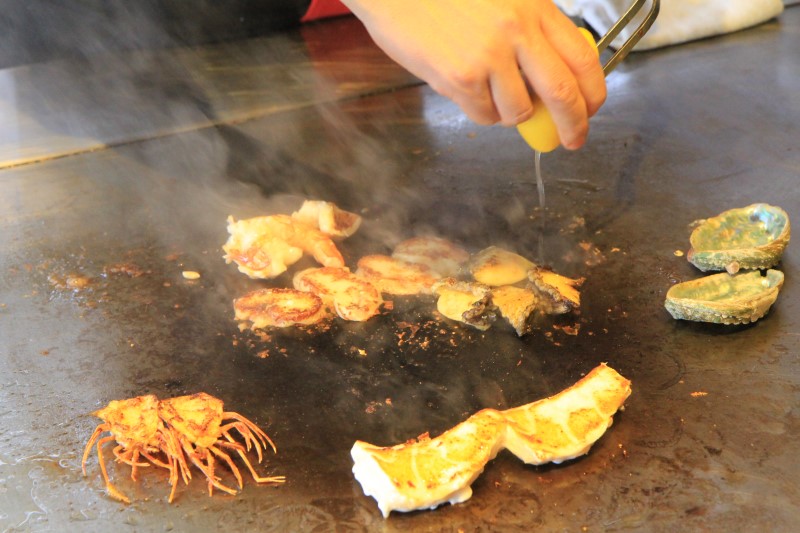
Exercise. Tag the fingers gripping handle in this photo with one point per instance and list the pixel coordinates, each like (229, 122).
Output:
(539, 131)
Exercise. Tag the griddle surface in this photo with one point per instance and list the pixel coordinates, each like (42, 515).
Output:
(708, 439)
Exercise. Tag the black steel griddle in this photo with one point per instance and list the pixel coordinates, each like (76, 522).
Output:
(708, 439)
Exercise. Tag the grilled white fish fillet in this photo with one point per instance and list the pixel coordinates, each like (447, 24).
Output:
(425, 473)
(428, 472)
(564, 426)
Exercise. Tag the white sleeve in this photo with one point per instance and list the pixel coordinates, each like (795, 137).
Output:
(678, 21)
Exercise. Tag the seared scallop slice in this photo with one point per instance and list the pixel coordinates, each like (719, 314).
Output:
(279, 307)
(328, 218)
(467, 302)
(440, 255)
(425, 473)
(351, 297)
(395, 276)
(516, 304)
(565, 426)
(496, 266)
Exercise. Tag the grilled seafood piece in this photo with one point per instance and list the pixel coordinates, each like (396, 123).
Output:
(140, 435)
(264, 247)
(517, 305)
(166, 433)
(278, 307)
(751, 237)
(395, 276)
(425, 473)
(260, 246)
(440, 255)
(725, 299)
(564, 426)
(559, 294)
(496, 266)
(204, 432)
(351, 297)
(467, 302)
(328, 218)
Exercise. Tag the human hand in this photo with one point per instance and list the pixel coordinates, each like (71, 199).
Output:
(489, 55)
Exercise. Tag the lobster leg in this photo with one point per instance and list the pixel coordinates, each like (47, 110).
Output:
(112, 490)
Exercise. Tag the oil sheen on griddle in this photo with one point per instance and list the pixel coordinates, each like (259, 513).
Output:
(537, 155)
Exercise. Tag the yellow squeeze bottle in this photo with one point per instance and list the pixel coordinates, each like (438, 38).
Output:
(539, 131)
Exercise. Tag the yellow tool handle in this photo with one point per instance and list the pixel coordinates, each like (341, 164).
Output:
(539, 131)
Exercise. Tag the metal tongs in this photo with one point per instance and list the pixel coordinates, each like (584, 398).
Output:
(628, 45)
(539, 131)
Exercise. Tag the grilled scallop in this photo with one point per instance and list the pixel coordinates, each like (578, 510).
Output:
(351, 297)
(281, 308)
(328, 218)
(395, 276)
(495, 266)
(425, 473)
(440, 255)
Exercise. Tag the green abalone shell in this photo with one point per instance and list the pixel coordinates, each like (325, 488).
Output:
(724, 298)
(751, 237)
